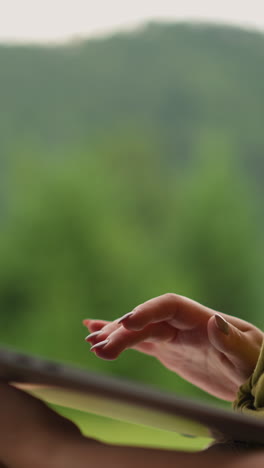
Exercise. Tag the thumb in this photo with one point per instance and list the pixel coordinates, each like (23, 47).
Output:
(238, 346)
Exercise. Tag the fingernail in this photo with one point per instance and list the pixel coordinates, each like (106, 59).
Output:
(124, 317)
(99, 345)
(222, 324)
(92, 335)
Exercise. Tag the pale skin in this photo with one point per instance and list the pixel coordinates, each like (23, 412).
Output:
(183, 335)
(169, 327)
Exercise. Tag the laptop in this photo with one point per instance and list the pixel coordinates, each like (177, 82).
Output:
(120, 399)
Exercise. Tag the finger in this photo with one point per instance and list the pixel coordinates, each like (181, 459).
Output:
(94, 325)
(101, 330)
(97, 327)
(238, 323)
(111, 346)
(99, 336)
(145, 348)
(101, 325)
(179, 311)
(241, 348)
(154, 332)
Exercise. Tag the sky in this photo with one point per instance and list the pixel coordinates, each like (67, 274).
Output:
(59, 20)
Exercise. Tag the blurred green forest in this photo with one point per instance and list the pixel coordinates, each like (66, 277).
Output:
(131, 166)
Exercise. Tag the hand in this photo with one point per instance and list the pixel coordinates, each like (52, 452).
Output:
(185, 337)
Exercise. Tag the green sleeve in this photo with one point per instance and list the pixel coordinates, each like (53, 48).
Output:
(250, 397)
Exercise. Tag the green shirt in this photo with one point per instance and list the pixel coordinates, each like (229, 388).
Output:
(250, 397)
